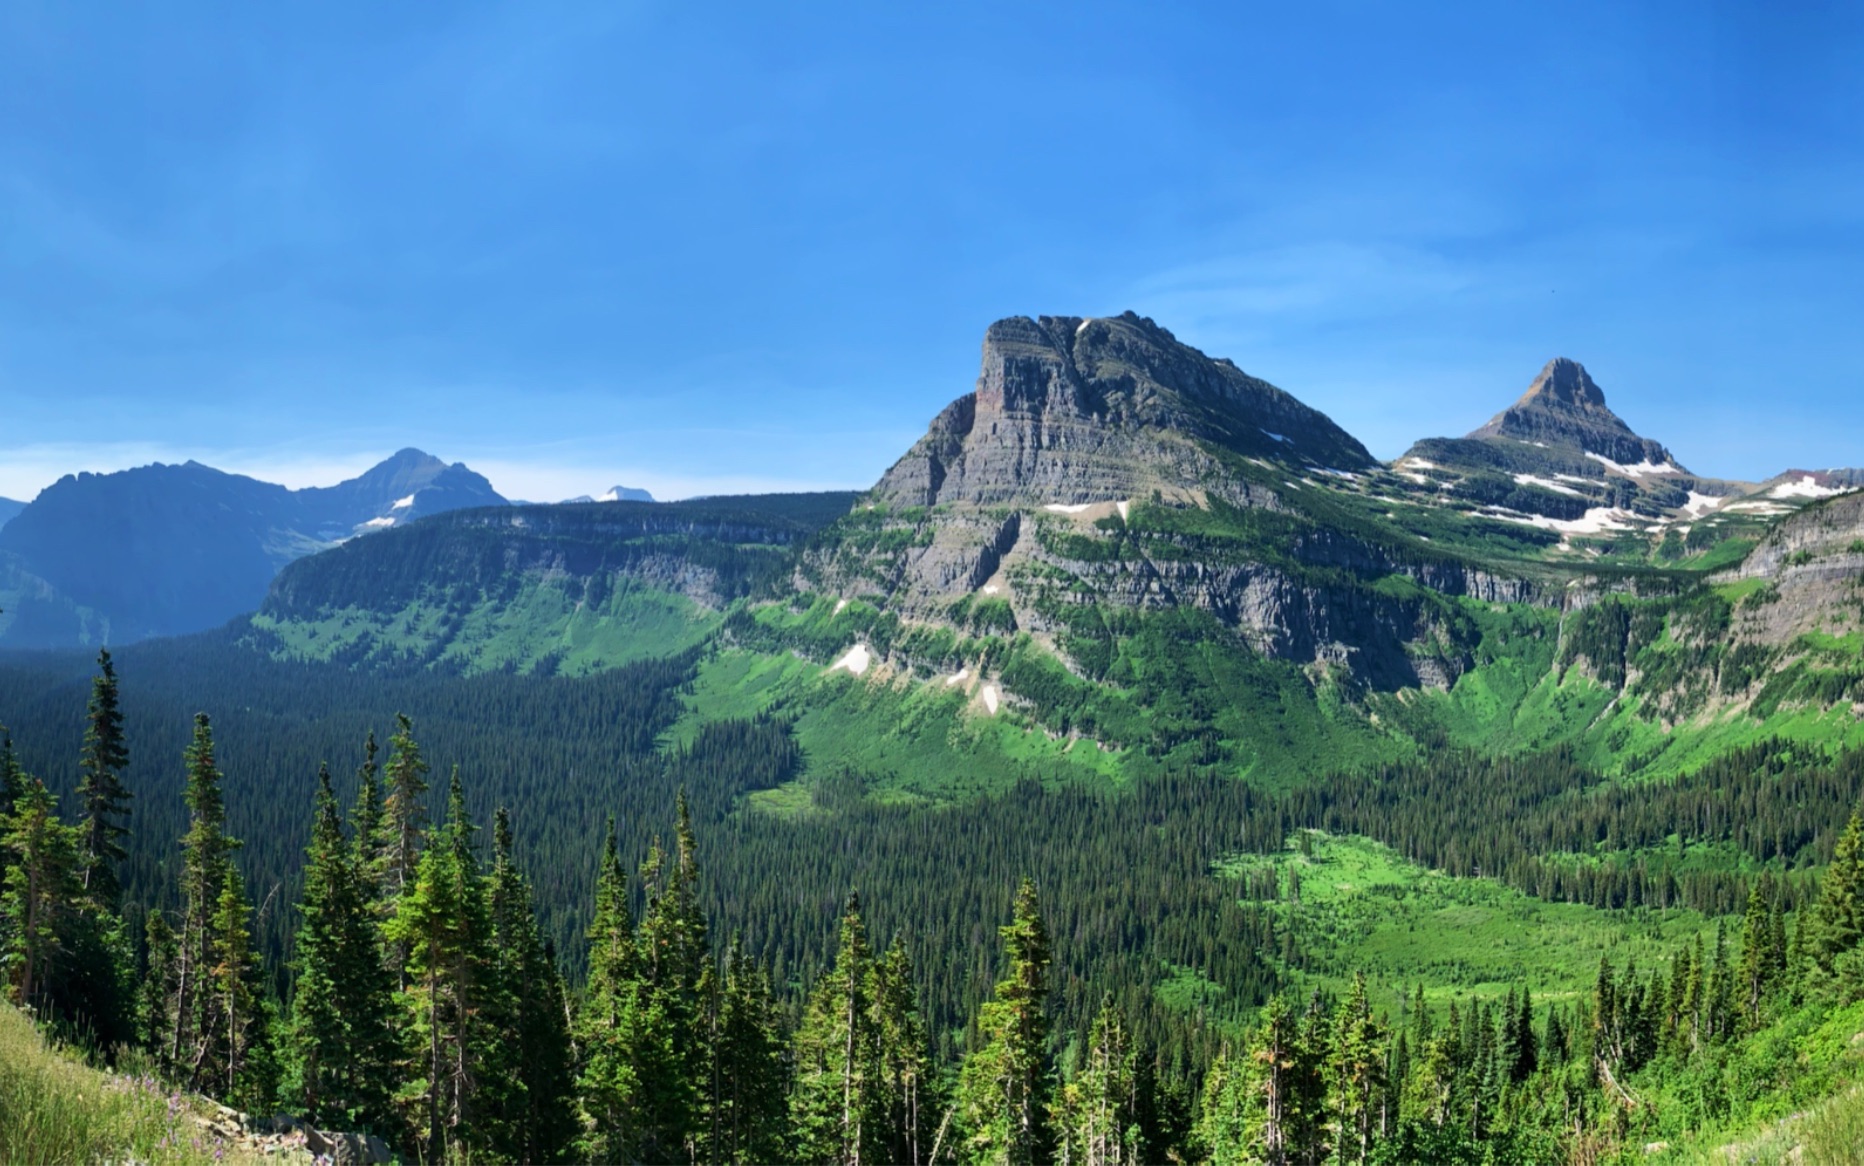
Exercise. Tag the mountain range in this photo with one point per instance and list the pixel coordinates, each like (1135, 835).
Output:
(1103, 485)
(168, 549)
(1115, 537)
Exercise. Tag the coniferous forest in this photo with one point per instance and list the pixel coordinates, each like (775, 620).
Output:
(369, 943)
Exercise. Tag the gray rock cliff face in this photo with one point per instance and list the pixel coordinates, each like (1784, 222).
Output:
(1814, 561)
(1070, 410)
(1021, 491)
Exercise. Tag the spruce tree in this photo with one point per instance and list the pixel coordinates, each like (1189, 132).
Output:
(1357, 1070)
(531, 1118)
(366, 819)
(443, 921)
(40, 899)
(836, 1074)
(1097, 1116)
(1839, 913)
(101, 792)
(608, 1080)
(12, 782)
(156, 993)
(403, 818)
(244, 1073)
(1757, 954)
(669, 1037)
(1004, 1092)
(746, 1099)
(906, 1105)
(1257, 1105)
(195, 1047)
(341, 1052)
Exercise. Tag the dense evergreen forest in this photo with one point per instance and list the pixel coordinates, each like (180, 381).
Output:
(299, 903)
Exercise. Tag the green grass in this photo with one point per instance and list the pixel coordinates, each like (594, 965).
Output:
(539, 627)
(1790, 1093)
(1363, 907)
(55, 1109)
(911, 740)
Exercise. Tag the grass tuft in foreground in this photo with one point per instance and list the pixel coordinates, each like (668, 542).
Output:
(55, 1109)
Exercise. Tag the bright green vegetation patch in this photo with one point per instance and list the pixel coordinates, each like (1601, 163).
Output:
(1187, 990)
(540, 628)
(56, 1109)
(908, 740)
(1362, 907)
(1827, 1134)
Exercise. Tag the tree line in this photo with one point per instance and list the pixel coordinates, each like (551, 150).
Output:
(425, 1000)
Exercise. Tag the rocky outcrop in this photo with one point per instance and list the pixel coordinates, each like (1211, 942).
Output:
(1813, 566)
(1070, 410)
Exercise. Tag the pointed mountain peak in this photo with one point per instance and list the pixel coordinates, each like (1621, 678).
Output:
(1565, 383)
(1565, 409)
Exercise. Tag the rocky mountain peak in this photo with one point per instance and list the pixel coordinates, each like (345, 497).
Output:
(1564, 383)
(1071, 409)
(1565, 408)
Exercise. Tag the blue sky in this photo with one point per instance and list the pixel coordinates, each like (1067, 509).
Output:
(720, 247)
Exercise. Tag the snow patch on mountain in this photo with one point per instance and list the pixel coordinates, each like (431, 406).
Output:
(1597, 520)
(1805, 487)
(1545, 484)
(1635, 471)
(856, 660)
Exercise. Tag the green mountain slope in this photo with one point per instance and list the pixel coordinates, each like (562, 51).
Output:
(1119, 557)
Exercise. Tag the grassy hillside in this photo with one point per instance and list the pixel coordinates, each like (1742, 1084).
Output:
(55, 1109)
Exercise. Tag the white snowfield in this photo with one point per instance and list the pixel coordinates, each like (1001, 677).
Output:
(991, 697)
(1277, 436)
(1067, 507)
(1545, 484)
(1638, 470)
(1597, 520)
(380, 522)
(992, 589)
(856, 660)
(839, 604)
(1418, 463)
(403, 503)
(958, 677)
(1700, 504)
(1759, 507)
(1123, 507)
(1806, 487)
(1082, 326)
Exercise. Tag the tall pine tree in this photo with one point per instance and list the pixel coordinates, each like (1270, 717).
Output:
(342, 1054)
(39, 901)
(534, 1119)
(836, 1073)
(1005, 1092)
(608, 1081)
(101, 792)
(442, 920)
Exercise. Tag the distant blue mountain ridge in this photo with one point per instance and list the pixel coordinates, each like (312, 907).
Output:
(170, 549)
